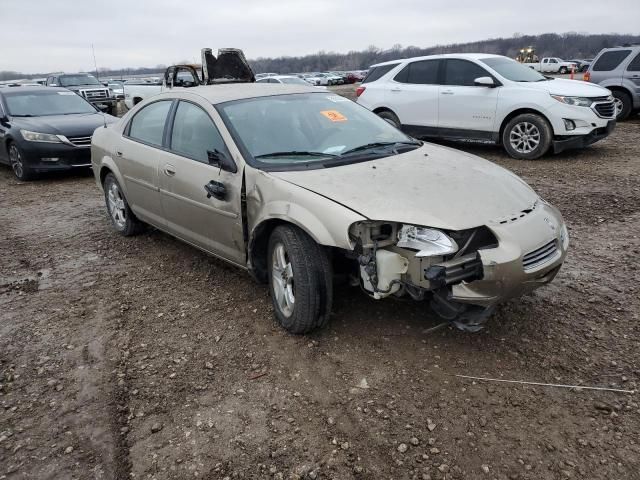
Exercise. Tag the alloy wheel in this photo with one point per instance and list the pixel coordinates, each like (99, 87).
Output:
(619, 105)
(116, 206)
(524, 137)
(282, 279)
(16, 161)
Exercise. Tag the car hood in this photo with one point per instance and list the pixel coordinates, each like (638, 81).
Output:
(570, 88)
(79, 125)
(432, 186)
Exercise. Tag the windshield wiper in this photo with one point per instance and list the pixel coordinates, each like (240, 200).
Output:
(295, 153)
(374, 145)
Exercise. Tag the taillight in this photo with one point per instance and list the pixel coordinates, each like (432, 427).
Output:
(359, 91)
(586, 77)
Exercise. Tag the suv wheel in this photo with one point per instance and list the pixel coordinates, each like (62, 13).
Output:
(300, 280)
(122, 218)
(622, 102)
(527, 136)
(390, 117)
(20, 170)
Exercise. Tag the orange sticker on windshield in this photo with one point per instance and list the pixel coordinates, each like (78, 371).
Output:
(334, 115)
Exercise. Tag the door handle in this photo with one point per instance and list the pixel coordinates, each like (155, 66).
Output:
(169, 170)
(396, 89)
(447, 92)
(118, 154)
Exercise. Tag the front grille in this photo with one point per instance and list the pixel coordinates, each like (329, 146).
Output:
(96, 94)
(540, 256)
(80, 141)
(605, 109)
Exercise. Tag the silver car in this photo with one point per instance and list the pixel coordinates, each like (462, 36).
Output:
(295, 185)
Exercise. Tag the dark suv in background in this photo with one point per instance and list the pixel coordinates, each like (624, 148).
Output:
(88, 87)
(618, 69)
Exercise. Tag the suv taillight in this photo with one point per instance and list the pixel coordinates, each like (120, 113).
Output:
(586, 77)
(359, 91)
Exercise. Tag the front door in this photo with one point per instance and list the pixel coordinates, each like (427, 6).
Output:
(465, 109)
(214, 224)
(632, 75)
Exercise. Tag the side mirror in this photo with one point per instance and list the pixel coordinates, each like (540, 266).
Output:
(484, 82)
(219, 159)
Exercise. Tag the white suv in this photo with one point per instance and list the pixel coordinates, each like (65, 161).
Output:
(488, 98)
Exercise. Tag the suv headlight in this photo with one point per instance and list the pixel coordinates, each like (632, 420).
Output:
(40, 137)
(429, 242)
(575, 101)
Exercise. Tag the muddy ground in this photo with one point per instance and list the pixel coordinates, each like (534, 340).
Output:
(144, 358)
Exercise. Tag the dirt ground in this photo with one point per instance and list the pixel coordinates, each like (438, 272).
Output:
(144, 358)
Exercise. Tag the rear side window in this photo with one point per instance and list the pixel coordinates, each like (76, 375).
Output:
(610, 60)
(423, 72)
(634, 66)
(377, 72)
(148, 124)
(462, 72)
(194, 134)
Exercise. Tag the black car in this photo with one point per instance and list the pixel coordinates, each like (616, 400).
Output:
(44, 129)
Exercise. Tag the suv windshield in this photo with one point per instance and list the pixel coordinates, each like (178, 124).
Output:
(310, 130)
(75, 80)
(55, 102)
(512, 70)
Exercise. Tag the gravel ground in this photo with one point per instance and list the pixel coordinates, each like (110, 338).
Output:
(144, 358)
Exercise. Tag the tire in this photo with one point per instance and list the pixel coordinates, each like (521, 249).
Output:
(390, 117)
(623, 105)
(529, 128)
(300, 280)
(16, 160)
(563, 70)
(122, 218)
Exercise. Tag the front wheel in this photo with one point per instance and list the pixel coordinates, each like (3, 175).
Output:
(122, 218)
(300, 280)
(527, 136)
(16, 159)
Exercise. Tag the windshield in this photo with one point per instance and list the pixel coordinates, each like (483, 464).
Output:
(512, 70)
(75, 80)
(36, 104)
(310, 130)
(294, 80)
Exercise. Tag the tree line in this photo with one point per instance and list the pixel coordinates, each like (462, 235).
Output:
(568, 45)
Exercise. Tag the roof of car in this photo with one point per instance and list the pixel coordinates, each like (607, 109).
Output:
(239, 91)
(470, 56)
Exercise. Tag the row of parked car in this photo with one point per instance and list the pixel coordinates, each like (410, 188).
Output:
(323, 78)
(295, 184)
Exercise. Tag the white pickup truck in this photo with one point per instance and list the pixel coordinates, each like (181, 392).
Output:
(552, 65)
(230, 66)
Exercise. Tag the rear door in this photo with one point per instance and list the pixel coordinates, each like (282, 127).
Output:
(413, 95)
(209, 223)
(632, 75)
(464, 106)
(138, 155)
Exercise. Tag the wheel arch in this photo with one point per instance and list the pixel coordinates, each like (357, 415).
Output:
(521, 111)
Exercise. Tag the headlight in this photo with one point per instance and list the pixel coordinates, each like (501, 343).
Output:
(428, 241)
(575, 101)
(40, 137)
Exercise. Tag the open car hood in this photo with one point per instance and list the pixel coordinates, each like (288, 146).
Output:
(230, 66)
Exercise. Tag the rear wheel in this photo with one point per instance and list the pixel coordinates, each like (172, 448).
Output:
(300, 280)
(390, 117)
(122, 218)
(527, 136)
(623, 105)
(563, 70)
(20, 170)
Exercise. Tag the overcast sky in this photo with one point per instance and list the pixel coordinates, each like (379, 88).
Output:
(56, 35)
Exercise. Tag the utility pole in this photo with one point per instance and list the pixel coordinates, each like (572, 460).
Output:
(95, 64)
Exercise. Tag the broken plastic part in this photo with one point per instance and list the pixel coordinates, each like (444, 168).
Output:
(428, 241)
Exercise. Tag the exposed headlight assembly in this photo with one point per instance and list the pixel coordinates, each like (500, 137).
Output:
(40, 137)
(575, 101)
(429, 242)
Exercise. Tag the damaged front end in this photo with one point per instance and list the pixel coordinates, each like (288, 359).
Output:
(423, 263)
